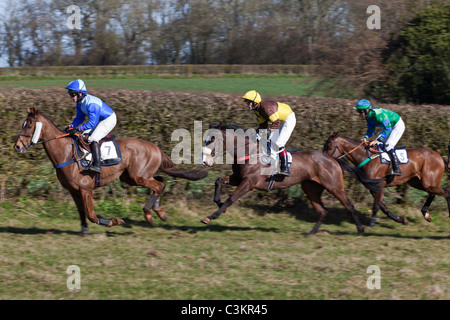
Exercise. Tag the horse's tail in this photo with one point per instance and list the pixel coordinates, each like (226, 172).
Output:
(167, 166)
(371, 184)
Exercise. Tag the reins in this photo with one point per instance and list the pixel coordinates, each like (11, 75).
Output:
(346, 154)
(55, 138)
(369, 149)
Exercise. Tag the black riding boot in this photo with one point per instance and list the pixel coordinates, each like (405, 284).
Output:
(284, 166)
(95, 166)
(395, 170)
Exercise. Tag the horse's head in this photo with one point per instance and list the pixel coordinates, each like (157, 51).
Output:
(30, 132)
(232, 140)
(330, 147)
(214, 143)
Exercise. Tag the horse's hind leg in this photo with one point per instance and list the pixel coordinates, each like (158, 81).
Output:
(425, 207)
(153, 183)
(155, 200)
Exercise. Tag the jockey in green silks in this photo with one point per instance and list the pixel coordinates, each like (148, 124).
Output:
(392, 130)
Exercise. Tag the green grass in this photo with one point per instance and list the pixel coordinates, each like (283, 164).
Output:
(249, 253)
(271, 85)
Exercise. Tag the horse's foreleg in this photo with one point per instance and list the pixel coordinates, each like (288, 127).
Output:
(242, 189)
(79, 203)
(230, 180)
(382, 205)
(88, 202)
(375, 208)
(342, 197)
(314, 192)
(217, 188)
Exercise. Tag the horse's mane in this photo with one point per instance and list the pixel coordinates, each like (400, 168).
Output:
(222, 126)
(335, 135)
(350, 139)
(40, 114)
(233, 126)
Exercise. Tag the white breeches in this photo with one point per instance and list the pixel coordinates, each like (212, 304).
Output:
(395, 135)
(281, 136)
(102, 129)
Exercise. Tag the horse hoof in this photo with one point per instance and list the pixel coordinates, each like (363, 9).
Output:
(206, 221)
(427, 217)
(116, 222)
(405, 221)
(149, 218)
(161, 214)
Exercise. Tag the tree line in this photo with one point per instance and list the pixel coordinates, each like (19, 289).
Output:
(331, 33)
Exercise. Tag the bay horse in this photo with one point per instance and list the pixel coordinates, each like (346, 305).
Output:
(424, 171)
(314, 170)
(140, 161)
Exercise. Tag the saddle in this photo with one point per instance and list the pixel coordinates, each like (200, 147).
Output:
(110, 153)
(401, 153)
(274, 167)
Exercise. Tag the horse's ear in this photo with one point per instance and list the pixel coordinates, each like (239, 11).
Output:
(32, 110)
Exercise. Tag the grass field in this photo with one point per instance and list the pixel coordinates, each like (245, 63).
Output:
(288, 85)
(255, 251)
(250, 253)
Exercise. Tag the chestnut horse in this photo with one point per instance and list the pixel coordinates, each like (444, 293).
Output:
(424, 171)
(140, 161)
(314, 170)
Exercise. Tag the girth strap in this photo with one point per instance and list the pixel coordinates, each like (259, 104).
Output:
(57, 166)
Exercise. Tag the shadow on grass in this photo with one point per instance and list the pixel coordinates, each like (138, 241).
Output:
(303, 212)
(36, 231)
(195, 229)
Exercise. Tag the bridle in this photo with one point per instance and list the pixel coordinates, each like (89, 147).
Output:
(36, 133)
(20, 135)
(209, 151)
(343, 155)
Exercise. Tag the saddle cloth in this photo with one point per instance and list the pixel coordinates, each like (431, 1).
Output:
(402, 156)
(274, 164)
(109, 153)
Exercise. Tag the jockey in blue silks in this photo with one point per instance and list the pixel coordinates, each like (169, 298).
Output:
(101, 119)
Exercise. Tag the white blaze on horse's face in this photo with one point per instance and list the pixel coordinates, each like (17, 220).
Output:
(207, 157)
(28, 135)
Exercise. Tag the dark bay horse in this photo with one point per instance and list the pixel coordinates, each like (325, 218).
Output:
(140, 161)
(424, 171)
(314, 170)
